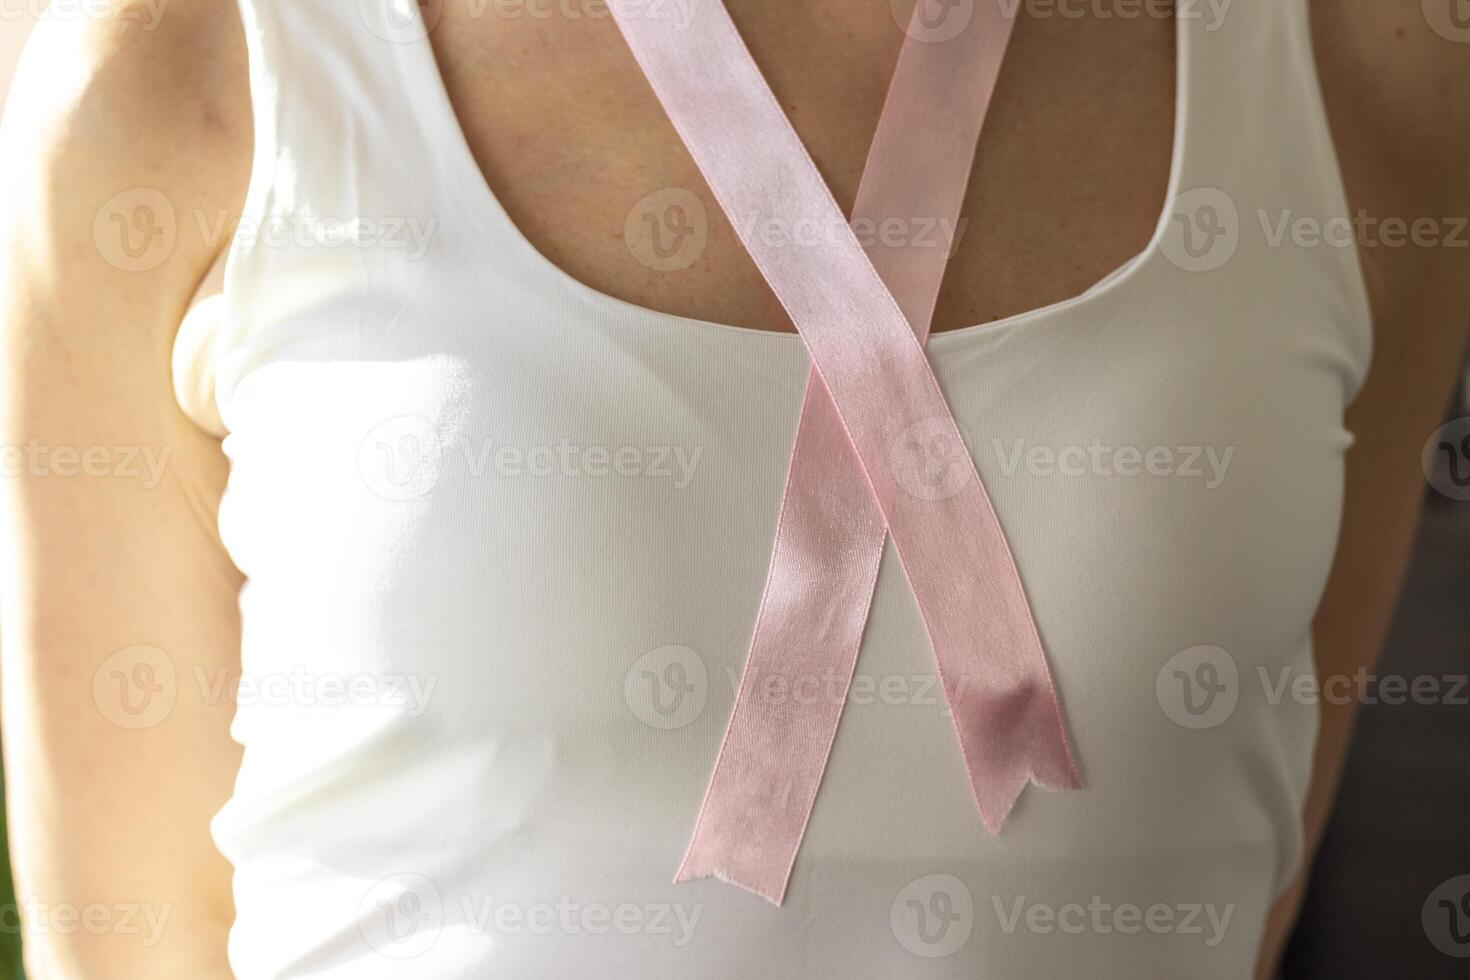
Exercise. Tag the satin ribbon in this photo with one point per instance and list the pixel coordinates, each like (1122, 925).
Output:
(877, 449)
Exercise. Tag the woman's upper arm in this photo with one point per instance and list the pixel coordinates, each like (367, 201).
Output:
(123, 138)
(1398, 97)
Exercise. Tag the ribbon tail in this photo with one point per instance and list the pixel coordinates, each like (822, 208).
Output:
(708, 860)
(807, 636)
(1011, 740)
(1051, 769)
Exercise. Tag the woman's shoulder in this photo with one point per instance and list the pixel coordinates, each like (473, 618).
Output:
(1396, 80)
(1396, 75)
(123, 132)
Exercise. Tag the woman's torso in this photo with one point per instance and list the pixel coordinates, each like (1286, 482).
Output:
(505, 534)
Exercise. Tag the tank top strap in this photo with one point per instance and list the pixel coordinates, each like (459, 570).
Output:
(347, 190)
(1256, 164)
(337, 91)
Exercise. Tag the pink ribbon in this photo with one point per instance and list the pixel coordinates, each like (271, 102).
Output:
(877, 449)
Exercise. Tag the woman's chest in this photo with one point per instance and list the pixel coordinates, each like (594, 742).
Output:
(616, 488)
(1068, 184)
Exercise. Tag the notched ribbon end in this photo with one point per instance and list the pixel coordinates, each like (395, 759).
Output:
(996, 804)
(774, 895)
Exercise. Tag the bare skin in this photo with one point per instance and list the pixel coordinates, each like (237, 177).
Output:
(570, 138)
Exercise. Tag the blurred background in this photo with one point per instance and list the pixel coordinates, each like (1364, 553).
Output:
(1400, 831)
(1376, 905)
(14, 25)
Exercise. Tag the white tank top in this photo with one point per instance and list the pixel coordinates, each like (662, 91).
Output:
(505, 538)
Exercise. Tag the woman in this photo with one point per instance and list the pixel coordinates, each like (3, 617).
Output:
(507, 412)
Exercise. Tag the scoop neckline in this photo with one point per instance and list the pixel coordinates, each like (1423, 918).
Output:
(488, 209)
